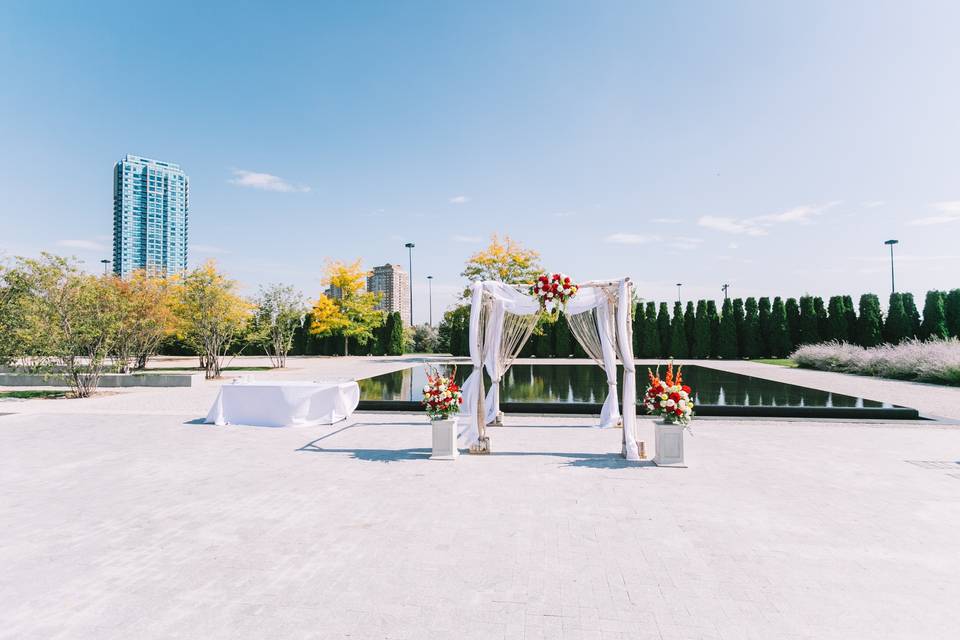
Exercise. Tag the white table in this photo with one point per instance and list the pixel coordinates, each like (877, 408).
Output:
(284, 404)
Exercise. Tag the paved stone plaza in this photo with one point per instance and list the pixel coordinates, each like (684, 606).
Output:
(124, 518)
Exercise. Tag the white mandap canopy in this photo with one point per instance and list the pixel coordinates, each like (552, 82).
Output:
(503, 316)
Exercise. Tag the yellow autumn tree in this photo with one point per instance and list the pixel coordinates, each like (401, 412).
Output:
(145, 304)
(505, 261)
(351, 311)
(210, 315)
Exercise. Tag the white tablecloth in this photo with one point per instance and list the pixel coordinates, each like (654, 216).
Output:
(284, 404)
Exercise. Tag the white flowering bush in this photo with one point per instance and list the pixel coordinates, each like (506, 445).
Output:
(924, 361)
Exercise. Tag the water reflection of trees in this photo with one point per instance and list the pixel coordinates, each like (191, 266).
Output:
(388, 386)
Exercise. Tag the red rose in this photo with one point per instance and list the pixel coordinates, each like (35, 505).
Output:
(675, 396)
(566, 281)
(686, 388)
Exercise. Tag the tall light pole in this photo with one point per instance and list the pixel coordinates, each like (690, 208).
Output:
(725, 287)
(893, 285)
(410, 247)
(430, 289)
(679, 284)
(104, 262)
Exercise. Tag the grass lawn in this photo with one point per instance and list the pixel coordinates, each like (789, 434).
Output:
(27, 395)
(783, 362)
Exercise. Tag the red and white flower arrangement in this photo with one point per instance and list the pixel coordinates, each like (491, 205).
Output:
(553, 291)
(441, 395)
(669, 397)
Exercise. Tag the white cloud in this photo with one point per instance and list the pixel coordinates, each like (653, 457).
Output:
(949, 212)
(86, 245)
(459, 200)
(467, 239)
(207, 249)
(760, 225)
(264, 181)
(631, 238)
(733, 245)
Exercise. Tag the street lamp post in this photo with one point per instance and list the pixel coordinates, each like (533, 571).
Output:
(430, 298)
(679, 284)
(725, 288)
(893, 285)
(104, 262)
(410, 247)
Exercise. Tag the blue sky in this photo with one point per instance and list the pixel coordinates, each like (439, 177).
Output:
(774, 146)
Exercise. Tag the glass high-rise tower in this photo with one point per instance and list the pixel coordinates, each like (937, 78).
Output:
(150, 203)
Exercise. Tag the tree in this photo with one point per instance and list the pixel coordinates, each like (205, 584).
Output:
(423, 339)
(809, 327)
(823, 327)
(714, 328)
(851, 314)
(678, 333)
(563, 340)
(689, 324)
(395, 343)
(897, 327)
(837, 320)
(701, 331)
(793, 321)
(780, 344)
(870, 322)
(751, 329)
(738, 319)
(504, 261)
(728, 349)
(279, 312)
(663, 328)
(952, 312)
(352, 312)
(61, 321)
(452, 332)
(764, 310)
(210, 315)
(934, 316)
(651, 332)
(910, 308)
(639, 317)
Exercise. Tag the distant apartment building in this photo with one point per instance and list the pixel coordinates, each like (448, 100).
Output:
(150, 204)
(393, 283)
(333, 292)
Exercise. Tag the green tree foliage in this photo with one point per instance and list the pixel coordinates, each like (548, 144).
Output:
(423, 339)
(395, 337)
(780, 343)
(793, 320)
(701, 331)
(453, 332)
(651, 332)
(563, 339)
(278, 312)
(851, 314)
(689, 324)
(728, 349)
(822, 325)
(809, 327)
(751, 329)
(663, 328)
(714, 328)
(764, 310)
(897, 327)
(870, 321)
(738, 320)
(910, 308)
(639, 317)
(678, 333)
(837, 320)
(934, 316)
(953, 312)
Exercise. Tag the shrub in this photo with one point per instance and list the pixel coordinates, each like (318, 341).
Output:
(729, 348)
(837, 320)
(689, 324)
(678, 333)
(870, 322)
(714, 328)
(651, 333)
(910, 308)
(663, 328)
(952, 309)
(780, 345)
(809, 327)
(638, 322)
(936, 360)
(751, 329)
(763, 310)
(897, 327)
(701, 331)
(793, 320)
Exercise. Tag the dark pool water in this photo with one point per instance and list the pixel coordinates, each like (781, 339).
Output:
(586, 384)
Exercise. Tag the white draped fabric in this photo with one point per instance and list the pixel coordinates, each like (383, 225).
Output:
(600, 319)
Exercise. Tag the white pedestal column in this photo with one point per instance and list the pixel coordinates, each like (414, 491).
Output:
(444, 439)
(669, 445)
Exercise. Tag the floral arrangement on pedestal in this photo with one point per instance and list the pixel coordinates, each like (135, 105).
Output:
(669, 397)
(441, 395)
(553, 291)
